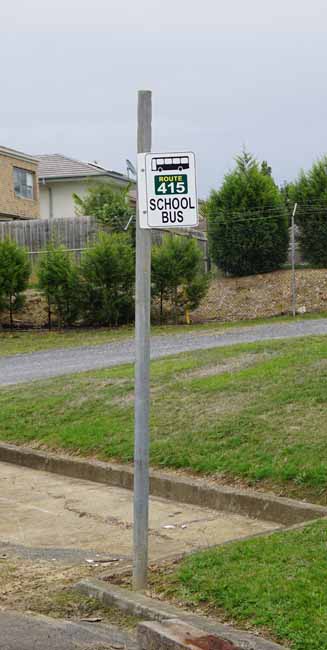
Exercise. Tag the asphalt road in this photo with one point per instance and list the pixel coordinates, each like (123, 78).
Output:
(42, 365)
(26, 632)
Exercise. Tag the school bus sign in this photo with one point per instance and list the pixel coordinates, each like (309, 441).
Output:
(167, 190)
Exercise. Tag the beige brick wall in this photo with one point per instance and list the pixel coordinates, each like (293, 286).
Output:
(11, 205)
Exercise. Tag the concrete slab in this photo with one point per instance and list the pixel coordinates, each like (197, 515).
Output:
(170, 485)
(178, 635)
(44, 510)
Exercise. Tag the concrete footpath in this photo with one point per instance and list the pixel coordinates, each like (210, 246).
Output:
(41, 365)
(79, 519)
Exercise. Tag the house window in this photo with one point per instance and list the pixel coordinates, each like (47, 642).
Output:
(23, 183)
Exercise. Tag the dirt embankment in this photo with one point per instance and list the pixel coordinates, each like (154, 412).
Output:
(34, 313)
(261, 296)
(228, 299)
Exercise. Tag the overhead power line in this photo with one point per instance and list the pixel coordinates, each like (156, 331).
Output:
(246, 219)
(238, 217)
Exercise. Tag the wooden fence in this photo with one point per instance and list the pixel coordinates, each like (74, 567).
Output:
(75, 234)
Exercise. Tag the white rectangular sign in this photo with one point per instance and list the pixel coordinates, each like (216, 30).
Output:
(167, 190)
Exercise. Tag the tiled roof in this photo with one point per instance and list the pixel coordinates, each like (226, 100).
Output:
(58, 166)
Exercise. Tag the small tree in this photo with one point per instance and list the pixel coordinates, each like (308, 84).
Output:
(108, 275)
(196, 290)
(247, 218)
(177, 274)
(109, 205)
(58, 279)
(15, 270)
(160, 274)
(265, 168)
(310, 192)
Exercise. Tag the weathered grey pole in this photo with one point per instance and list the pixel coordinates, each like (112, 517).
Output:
(293, 261)
(142, 365)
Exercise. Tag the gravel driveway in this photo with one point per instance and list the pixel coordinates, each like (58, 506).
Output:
(41, 365)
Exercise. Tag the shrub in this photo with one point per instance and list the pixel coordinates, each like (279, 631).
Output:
(58, 279)
(247, 219)
(160, 274)
(108, 279)
(310, 192)
(15, 270)
(177, 275)
(109, 205)
(196, 290)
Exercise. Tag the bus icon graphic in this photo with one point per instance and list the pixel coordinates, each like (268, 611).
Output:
(170, 164)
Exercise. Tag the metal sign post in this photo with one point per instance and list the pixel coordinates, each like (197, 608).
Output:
(293, 262)
(142, 365)
(166, 198)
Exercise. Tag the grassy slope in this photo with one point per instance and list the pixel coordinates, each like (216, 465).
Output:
(276, 584)
(33, 341)
(255, 411)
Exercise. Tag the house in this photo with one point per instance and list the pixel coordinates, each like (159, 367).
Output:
(19, 192)
(61, 177)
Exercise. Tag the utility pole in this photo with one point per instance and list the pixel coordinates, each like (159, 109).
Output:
(293, 261)
(142, 364)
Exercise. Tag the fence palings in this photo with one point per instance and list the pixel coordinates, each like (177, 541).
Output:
(76, 234)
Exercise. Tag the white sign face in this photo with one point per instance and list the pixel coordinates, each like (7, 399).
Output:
(167, 190)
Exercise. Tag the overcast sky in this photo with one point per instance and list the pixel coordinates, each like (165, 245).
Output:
(224, 73)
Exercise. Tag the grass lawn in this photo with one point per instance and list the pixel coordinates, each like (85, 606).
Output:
(276, 584)
(255, 412)
(17, 342)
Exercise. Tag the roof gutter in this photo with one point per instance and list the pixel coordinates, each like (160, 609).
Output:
(48, 179)
(12, 153)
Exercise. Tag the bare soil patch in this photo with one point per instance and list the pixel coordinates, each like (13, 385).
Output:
(46, 588)
(262, 296)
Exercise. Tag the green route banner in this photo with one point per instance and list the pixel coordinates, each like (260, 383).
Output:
(173, 184)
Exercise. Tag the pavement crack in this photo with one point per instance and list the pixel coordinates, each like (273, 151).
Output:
(114, 521)
(68, 505)
(200, 520)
